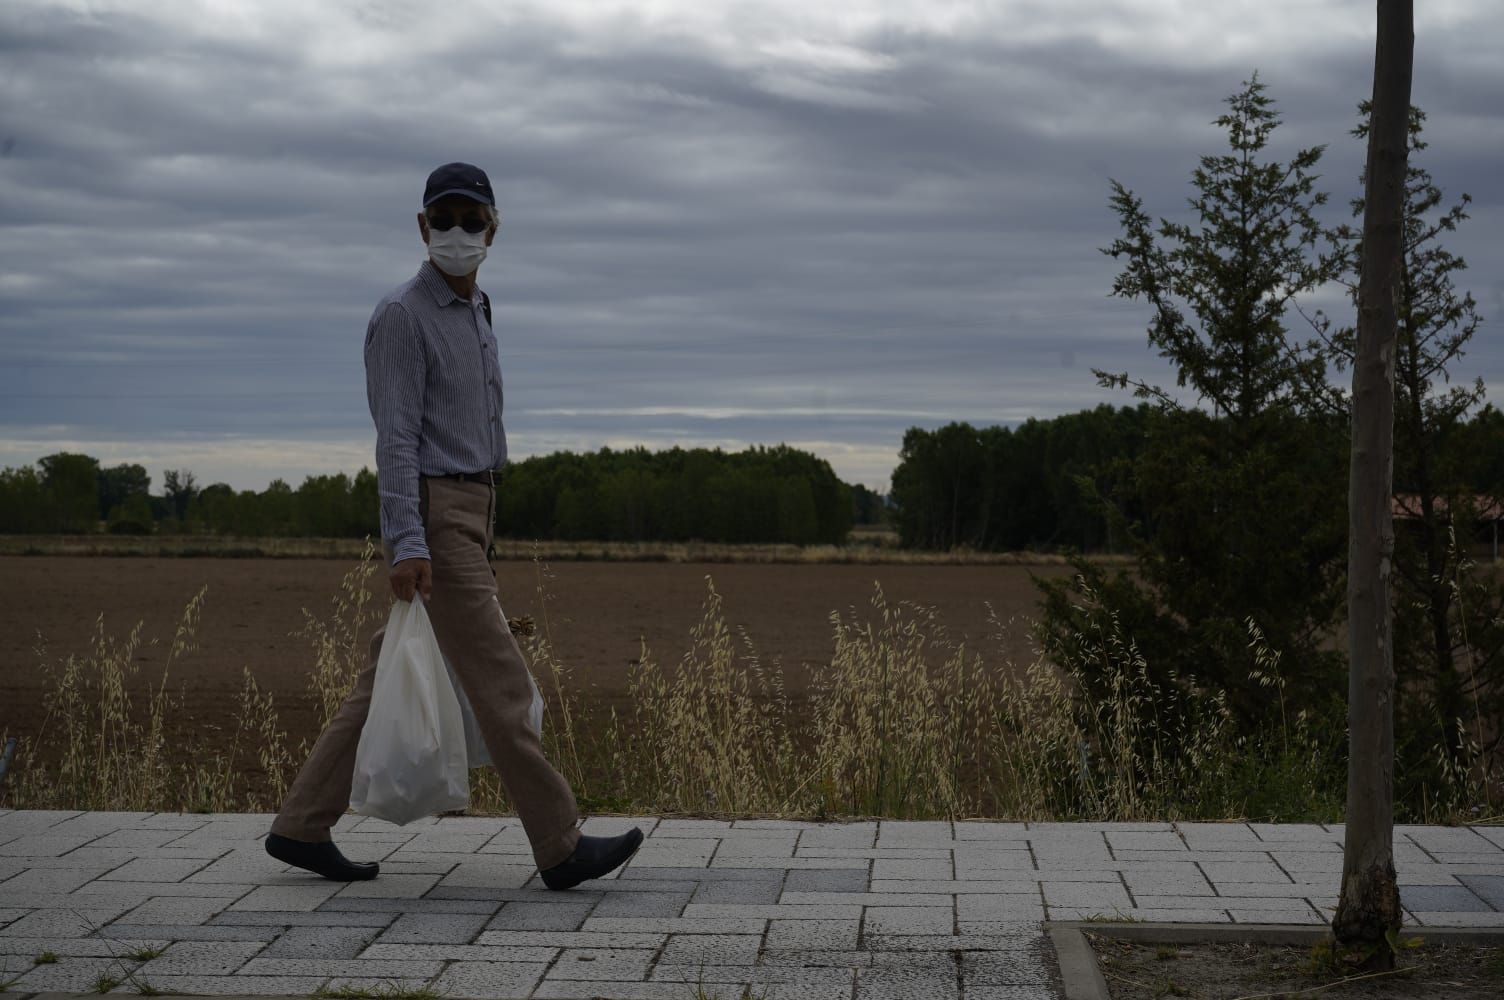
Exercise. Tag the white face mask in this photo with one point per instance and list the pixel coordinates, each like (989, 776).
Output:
(456, 252)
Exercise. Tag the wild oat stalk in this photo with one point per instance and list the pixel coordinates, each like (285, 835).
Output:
(1471, 777)
(95, 751)
(92, 752)
(712, 736)
(882, 745)
(339, 653)
(258, 714)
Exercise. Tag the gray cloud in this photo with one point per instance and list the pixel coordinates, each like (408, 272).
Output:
(715, 230)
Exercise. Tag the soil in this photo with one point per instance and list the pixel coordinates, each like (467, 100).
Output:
(1432, 971)
(598, 616)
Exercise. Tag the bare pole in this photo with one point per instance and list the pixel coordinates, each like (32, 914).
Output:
(1368, 911)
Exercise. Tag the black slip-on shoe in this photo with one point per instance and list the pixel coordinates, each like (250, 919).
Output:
(592, 858)
(321, 859)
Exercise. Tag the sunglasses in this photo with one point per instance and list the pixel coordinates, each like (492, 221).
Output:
(444, 221)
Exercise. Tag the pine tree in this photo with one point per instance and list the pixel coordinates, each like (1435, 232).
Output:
(1240, 514)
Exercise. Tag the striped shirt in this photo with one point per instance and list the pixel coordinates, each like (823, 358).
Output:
(434, 385)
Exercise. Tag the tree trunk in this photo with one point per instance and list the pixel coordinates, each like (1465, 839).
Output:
(1369, 908)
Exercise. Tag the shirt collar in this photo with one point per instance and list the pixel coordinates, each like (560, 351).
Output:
(442, 294)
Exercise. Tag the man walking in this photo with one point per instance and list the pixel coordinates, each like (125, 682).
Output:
(434, 386)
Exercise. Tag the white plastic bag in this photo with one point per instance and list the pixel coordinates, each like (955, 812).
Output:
(475, 746)
(410, 761)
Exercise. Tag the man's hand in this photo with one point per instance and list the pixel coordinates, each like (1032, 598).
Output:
(412, 576)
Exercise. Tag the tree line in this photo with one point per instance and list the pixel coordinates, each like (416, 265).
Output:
(1002, 488)
(759, 495)
(1044, 485)
(1048, 484)
(72, 493)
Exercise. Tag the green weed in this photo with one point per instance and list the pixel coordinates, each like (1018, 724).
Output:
(714, 994)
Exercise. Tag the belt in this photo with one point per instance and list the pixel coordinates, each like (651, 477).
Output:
(485, 477)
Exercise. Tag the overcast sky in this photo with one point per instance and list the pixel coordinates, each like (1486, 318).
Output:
(722, 224)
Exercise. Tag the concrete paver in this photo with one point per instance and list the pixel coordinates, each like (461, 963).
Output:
(797, 910)
(748, 892)
(611, 964)
(465, 952)
(826, 880)
(201, 958)
(727, 949)
(644, 903)
(821, 934)
(524, 916)
(321, 942)
(481, 979)
(74, 975)
(434, 928)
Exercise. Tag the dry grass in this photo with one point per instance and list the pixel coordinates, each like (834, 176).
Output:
(902, 722)
(906, 723)
(99, 748)
(864, 547)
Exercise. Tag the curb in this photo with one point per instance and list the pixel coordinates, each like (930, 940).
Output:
(1082, 979)
(1079, 975)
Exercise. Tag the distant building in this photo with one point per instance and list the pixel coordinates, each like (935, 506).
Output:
(1486, 510)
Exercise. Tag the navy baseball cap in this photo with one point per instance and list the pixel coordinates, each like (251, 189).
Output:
(458, 178)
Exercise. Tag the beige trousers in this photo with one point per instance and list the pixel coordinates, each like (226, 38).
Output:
(458, 518)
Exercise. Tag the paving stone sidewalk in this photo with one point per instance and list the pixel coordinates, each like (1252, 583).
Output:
(856, 911)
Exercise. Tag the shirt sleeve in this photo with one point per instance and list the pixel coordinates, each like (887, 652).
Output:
(396, 372)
